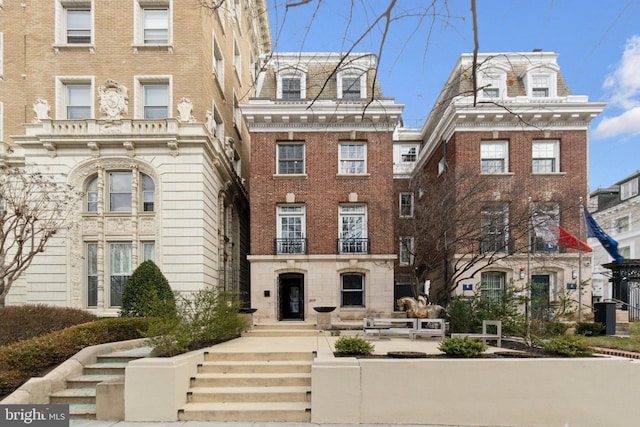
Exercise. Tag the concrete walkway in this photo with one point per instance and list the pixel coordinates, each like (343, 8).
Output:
(94, 423)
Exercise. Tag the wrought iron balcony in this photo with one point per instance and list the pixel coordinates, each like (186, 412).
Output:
(290, 246)
(353, 246)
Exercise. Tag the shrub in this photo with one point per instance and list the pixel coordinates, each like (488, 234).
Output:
(589, 328)
(25, 359)
(28, 321)
(462, 347)
(204, 318)
(147, 293)
(556, 328)
(567, 346)
(355, 346)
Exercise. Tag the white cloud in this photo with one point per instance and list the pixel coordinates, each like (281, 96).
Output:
(627, 123)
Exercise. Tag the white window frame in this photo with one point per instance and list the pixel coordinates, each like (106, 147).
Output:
(217, 124)
(92, 194)
(91, 270)
(405, 199)
(237, 113)
(140, 82)
(139, 25)
(303, 160)
(494, 223)
(147, 251)
(625, 251)
(491, 77)
(629, 189)
(405, 253)
(400, 151)
(61, 93)
(344, 163)
(295, 212)
(490, 288)
(551, 151)
(623, 224)
(61, 7)
(122, 271)
(291, 72)
(356, 211)
(353, 73)
(494, 150)
(217, 58)
(237, 58)
(536, 74)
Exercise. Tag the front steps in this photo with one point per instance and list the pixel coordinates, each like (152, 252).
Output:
(283, 329)
(80, 393)
(251, 387)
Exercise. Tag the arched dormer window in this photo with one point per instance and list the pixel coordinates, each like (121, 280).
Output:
(541, 80)
(492, 81)
(352, 83)
(291, 83)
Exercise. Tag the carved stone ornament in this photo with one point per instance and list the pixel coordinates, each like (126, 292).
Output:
(114, 102)
(185, 107)
(41, 108)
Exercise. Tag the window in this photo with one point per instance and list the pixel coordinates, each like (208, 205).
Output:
(148, 251)
(352, 290)
(352, 84)
(78, 26)
(291, 88)
(218, 62)
(155, 101)
(216, 124)
(92, 274)
(625, 252)
(237, 113)
(290, 158)
(78, 101)
(545, 216)
(629, 189)
(493, 157)
(352, 158)
(622, 224)
(148, 193)
(120, 192)
(492, 285)
(291, 230)
(1, 53)
(540, 79)
(545, 157)
(92, 195)
(119, 271)
(492, 79)
(237, 57)
(352, 236)
(406, 250)
(406, 205)
(491, 87)
(494, 228)
(155, 26)
(540, 86)
(351, 87)
(404, 157)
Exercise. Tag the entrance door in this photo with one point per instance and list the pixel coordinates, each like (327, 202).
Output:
(291, 296)
(540, 295)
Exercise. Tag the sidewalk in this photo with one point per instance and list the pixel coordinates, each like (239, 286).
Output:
(94, 423)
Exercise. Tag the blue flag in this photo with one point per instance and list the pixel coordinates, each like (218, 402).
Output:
(594, 230)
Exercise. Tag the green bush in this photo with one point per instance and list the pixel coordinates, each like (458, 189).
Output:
(25, 359)
(354, 346)
(462, 347)
(589, 328)
(147, 293)
(204, 318)
(24, 322)
(556, 328)
(568, 346)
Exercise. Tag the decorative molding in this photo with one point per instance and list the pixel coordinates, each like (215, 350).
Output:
(118, 226)
(185, 108)
(51, 148)
(173, 148)
(130, 147)
(113, 99)
(42, 110)
(94, 147)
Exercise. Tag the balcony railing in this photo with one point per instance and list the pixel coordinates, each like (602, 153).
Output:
(290, 246)
(353, 246)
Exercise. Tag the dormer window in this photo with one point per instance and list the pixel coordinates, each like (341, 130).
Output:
(352, 84)
(291, 83)
(540, 80)
(629, 189)
(291, 88)
(491, 80)
(540, 87)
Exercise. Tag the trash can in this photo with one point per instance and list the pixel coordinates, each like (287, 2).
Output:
(605, 313)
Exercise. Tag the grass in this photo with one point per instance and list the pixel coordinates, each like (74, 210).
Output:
(620, 343)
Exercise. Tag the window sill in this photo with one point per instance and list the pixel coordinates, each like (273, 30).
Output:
(152, 47)
(497, 174)
(548, 173)
(290, 176)
(353, 176)
(90, 47)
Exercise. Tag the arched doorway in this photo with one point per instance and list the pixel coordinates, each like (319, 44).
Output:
(291, 296)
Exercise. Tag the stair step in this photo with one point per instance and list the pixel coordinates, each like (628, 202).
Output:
(247, 367)
(281, 333)
(82, 411)
(249, 394)
(125, 355)
(256, 412)
(74, 396)
(87, 381)
(285, 325)
(250, 380)
(264, 356)
(105, 368)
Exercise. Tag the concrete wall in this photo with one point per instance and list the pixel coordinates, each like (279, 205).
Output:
(595, 391)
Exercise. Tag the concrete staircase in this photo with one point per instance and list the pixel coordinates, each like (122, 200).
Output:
(254, 387)
(80, 393)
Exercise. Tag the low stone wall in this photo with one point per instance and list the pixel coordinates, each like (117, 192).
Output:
(594, 391)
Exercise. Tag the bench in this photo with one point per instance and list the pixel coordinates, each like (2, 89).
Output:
(387, 326)
(429, 328)
(485, 336)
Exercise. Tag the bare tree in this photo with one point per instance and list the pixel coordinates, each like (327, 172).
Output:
(33, 208)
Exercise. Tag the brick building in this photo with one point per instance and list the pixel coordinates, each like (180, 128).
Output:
(321, 187)
(523, 139)
(135, 103)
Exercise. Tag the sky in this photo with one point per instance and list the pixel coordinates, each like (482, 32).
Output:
(598, 43)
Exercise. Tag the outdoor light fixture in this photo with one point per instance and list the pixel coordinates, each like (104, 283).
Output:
(522, 272)
(574, 274)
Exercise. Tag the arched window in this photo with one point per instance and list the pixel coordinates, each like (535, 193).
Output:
(92, 195)
(148, 193)
(118, 192)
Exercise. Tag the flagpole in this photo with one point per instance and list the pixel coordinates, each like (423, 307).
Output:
(580, 265)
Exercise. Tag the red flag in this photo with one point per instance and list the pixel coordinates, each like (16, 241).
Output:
(569, 241)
